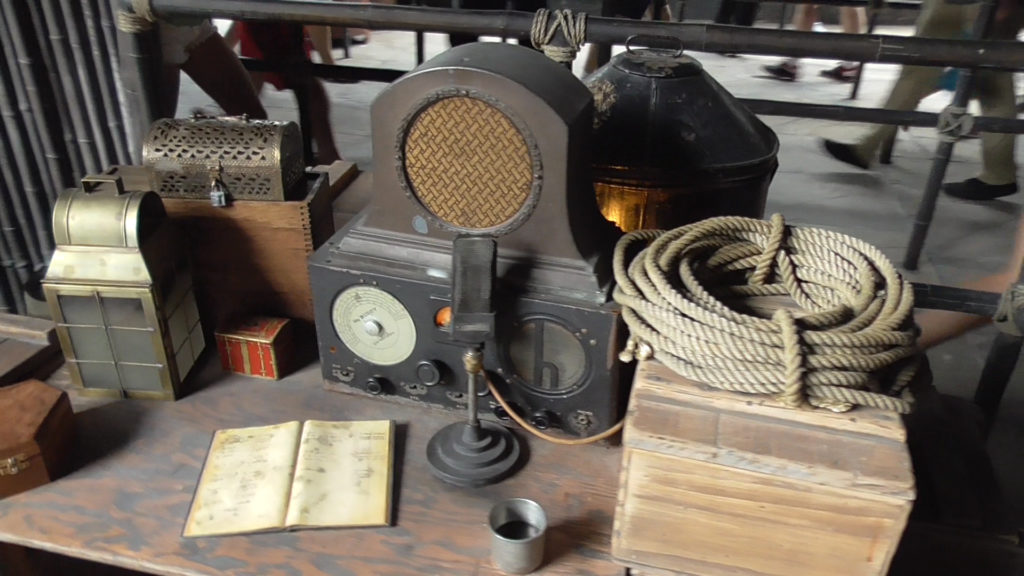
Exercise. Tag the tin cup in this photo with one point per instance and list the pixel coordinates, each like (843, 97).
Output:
(518, 527)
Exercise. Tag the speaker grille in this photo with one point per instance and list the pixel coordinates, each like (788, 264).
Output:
(468, 164)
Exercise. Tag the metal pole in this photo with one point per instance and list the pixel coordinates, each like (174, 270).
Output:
(875, 7)
(67, 155)
(944, 151)
(40, 102)
(86, 60)
(138, 63)
(23, 96)
(1001, 55)
(11, 297)
(873, 115)
(106, 24)
(13, 242)
(995, 376)
(70, 88)
(24, 185)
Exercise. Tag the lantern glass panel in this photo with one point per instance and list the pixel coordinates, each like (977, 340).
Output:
(140, 377)
(99, 375)
(90, 343)
(124, 312)
(83, 310)
(134, 345)
(185, 359)
(177, 325)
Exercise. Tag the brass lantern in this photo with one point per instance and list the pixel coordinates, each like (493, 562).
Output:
(120, 291)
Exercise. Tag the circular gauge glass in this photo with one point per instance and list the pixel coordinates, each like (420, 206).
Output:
(547, 357)
(374, 325)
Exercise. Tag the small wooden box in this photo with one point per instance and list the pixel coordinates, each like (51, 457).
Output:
(260, 347)
(35, 437)
(717, 483)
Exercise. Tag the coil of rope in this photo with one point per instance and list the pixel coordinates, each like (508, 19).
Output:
(848, 339)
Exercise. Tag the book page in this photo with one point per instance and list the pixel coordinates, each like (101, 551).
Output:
(245, 482)
(343, 475)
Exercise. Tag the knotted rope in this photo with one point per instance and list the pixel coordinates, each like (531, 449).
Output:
(140, 18)
(691, 296)
(574, 28)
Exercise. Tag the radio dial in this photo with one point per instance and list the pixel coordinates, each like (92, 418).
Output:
(374, 325)
(374, 386)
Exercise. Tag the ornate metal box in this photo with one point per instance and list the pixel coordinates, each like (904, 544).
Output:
(252, 159)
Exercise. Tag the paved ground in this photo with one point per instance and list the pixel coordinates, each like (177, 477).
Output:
(967, 240)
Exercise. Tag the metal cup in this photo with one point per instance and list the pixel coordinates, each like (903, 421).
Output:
(518, 527)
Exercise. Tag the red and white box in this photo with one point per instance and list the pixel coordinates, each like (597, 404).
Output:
(258, 346)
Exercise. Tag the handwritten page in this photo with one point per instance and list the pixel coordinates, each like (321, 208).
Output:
(246, 481)
(343, 475)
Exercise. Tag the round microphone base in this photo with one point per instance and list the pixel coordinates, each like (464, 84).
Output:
(474, 455)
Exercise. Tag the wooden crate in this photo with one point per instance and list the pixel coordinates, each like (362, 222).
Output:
(250, 258)
(717, 483)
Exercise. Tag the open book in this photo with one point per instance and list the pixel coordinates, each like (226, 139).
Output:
(294, 475)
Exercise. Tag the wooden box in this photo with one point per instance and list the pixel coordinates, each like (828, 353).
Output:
(261, 347)
(35, 437)
(250, 257)
(716, 483)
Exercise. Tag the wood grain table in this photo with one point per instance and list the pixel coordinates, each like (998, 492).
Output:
(137, 463)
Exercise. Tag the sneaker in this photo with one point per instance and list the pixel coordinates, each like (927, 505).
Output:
(974, 189)
(843, 72)
(787, 71)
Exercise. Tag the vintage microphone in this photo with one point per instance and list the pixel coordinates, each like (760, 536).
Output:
(473, 453)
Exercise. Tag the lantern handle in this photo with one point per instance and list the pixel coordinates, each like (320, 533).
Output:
(657, 41)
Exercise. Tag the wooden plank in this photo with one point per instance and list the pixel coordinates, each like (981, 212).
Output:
(341, 175)
(27, 329)
(728, 521)
(731, 436)
(28, 348)
(138, 462)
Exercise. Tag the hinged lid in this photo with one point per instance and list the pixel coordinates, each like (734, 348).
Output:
(24, 409)
(256, 329)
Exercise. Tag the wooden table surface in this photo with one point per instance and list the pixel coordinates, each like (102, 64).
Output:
(137, 463)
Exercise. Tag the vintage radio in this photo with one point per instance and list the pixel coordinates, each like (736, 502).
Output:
(486, 141)
(248, 159)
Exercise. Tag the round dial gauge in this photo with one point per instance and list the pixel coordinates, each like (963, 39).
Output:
(374, 325)
(547, 357)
